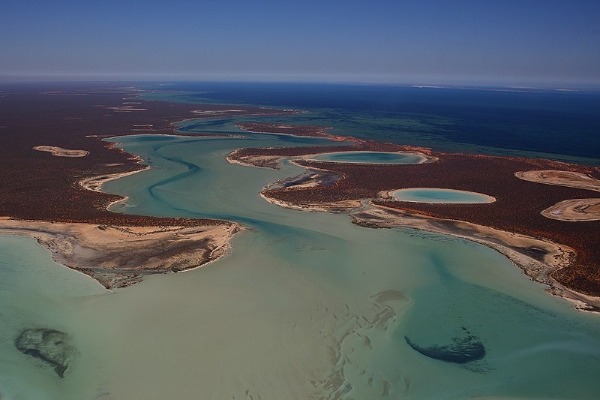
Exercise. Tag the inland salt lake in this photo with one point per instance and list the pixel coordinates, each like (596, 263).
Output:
(306, 305)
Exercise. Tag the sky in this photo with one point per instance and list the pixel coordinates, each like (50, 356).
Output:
(513, 42)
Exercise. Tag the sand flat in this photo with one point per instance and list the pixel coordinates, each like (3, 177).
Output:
(118, 256)
(60, 152)
(574, 210)
(561, 178)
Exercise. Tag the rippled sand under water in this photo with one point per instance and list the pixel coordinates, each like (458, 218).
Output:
(307, 305)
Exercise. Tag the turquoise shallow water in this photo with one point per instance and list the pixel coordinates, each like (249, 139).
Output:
(433, 195)
(306, 306)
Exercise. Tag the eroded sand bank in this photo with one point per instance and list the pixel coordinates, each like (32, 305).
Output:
(561, 178)
(95, 183)
(567, 210)
(574, 210)
(537, 258)
(118, 256)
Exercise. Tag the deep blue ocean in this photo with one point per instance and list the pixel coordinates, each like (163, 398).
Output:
(563, 125)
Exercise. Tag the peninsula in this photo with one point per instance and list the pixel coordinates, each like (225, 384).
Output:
(545, 217)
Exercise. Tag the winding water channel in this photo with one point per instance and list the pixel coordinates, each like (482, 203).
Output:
(307, 305)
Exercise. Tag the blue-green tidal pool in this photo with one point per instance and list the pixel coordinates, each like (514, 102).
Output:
(371, 157)
(443, 196)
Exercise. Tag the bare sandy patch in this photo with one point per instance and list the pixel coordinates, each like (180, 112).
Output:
(334, 206)
(118, 256)
(561, 178)
(253, 160)
(126, 108)
(574, 210)
(60, 152)
(95, 183)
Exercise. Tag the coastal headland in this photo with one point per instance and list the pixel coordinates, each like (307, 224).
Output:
(117, 255)
(53, 193)
(562, 253)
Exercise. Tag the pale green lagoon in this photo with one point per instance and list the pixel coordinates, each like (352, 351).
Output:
(445, 196)
(370, 157)
(306, 306)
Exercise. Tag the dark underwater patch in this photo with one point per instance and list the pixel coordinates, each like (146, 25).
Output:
(48, 345)
(462, 350)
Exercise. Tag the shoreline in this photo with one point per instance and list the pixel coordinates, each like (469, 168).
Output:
(537, 257)
(95, 183)
(295, 130)
(120, 256)
(331, 207)
(272, 161)
(259, 162)
(512, 245)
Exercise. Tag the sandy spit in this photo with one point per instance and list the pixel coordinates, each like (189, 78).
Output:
(118, 256)
(549, 256)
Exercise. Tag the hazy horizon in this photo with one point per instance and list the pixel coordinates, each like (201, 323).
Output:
(533, 43)
(424, 83)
